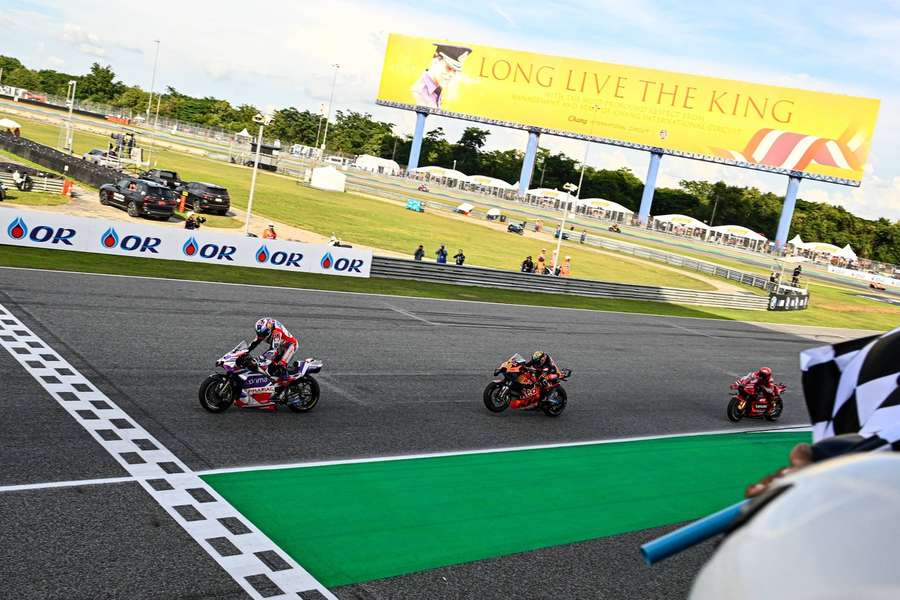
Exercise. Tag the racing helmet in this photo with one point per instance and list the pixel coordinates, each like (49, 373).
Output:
(538, 357)
(765, 374)
(830, 534)
(265, 326)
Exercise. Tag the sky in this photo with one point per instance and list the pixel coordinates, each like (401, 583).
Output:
(279, 53)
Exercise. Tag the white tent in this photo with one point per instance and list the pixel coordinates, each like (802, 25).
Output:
(796, 242)
(243, 133)
(491, 182)
(375, 164)
(465, 208)
(683, 220)
(738, 231)
(442, 172)
(9, 124)
(328, 178)
(548, 193)
(847, 253)
(607, 205)
(493, 213)
(822, 248)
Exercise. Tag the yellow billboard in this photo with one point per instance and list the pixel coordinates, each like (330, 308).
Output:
(824, 136)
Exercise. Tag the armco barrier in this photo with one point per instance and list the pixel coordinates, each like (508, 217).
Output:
(396, 268)
(42, 183)
(71, 166)
(132, 238)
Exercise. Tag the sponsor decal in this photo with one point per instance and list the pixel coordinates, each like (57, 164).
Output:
(130, 243)
(279, 257)
(350, 265)
(19, 230)
(190, 247)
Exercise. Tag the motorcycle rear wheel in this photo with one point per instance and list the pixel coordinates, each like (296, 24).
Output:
(211, 397)
(734, 414)
(494, 400)
(308, 390)
(775, 412)
(556, 409)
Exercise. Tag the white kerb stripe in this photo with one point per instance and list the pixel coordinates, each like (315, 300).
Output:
(242, 550)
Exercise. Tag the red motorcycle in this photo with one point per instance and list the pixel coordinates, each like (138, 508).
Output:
(518, 386)
(749, 402)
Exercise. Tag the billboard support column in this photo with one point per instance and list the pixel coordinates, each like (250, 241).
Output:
(528, 163)
(787, 212)
(416, 148)
(649, 187)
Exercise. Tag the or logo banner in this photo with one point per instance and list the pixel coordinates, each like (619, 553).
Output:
(788, 301)
(824, 136)
(126, 238)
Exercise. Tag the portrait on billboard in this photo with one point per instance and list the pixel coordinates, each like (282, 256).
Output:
(446, 63)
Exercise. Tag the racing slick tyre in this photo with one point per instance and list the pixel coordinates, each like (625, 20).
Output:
(307, 389)
(773, 414)
(133, 210)
(494, 399)
(555, 408)
(733, 412)
(213, 392)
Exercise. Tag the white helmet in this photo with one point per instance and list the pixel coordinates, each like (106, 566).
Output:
(832, 534)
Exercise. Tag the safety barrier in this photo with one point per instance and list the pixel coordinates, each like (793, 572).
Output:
(396, 268)
(42, 183)
(50, 158)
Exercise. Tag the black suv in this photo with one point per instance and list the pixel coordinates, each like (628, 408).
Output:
(167, 178)
(205, 197)
(140, 197)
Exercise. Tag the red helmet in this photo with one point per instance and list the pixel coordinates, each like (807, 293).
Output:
(765, 374)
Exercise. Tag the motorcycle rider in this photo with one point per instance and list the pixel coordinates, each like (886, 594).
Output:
(281, 343)
(762, 382)
(544, 368)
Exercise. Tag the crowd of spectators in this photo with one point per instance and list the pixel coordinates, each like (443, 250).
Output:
(440, 255)
(543, 267)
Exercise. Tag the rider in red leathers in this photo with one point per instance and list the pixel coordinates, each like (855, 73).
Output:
(762, 383)
(281, 342)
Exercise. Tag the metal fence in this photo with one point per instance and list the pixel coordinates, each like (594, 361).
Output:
(396, 268)
(675, 260)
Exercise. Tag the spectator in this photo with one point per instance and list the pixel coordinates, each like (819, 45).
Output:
(419, 253)
(583, 236)
(192, 221)
(795, 280)
(774, 277)
(566, 268)
(541, 262)
(527, 265)
(441, 254)
(459, 257)
(269, 232)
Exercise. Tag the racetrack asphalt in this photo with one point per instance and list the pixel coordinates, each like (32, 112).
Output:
(401, 376)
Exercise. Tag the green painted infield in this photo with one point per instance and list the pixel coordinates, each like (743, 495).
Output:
(362, 521)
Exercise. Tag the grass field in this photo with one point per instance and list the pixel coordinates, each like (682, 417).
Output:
(14, 196)
(860, 315)
(382, 224)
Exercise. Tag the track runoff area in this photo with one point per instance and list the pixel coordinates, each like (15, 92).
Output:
(400, 484)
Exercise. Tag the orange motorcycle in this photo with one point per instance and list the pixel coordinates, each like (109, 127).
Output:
(518, 386)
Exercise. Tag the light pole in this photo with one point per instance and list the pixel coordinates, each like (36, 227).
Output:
(152, 83)
(263, 120)
(571, 188)
(70, 100)
(330, 102)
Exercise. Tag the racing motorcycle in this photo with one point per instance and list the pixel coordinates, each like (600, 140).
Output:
(246, 383)
(745, 403)
(517, 386)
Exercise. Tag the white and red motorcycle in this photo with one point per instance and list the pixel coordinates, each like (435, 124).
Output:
(246, 383)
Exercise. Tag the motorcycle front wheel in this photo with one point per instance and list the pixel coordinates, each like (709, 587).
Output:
(773, 414)
(555, 403)
(307, 391)
(495, 400)
(215, 393)
(733, 412)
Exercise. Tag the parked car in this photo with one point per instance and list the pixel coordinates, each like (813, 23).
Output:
(97, 157)
(139, 197)
(167, 178)
(516, 228)
(205, 197)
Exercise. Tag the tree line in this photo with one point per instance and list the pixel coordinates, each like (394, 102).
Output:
(356, 133)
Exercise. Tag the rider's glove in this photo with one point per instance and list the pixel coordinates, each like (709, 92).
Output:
(275, 369)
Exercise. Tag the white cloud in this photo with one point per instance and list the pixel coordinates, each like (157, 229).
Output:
(85, 41)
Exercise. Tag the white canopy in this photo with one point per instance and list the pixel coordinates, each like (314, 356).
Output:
(847, 252)
(9, 124)
(465, 207)
(376, 164)
(493, 212)
(796, 242)
(604, 204)
(442, 172)
(738, 231)
(490, 182)
(822, 247)
(548, 193)
(683, 220)
(328, 178)
(243, 133)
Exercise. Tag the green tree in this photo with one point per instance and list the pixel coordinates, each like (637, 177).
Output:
(99, 85)
(292, 126)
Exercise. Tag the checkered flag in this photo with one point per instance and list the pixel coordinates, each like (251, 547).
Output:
(854, 387)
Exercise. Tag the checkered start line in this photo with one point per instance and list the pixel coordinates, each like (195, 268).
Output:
(244, 552)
